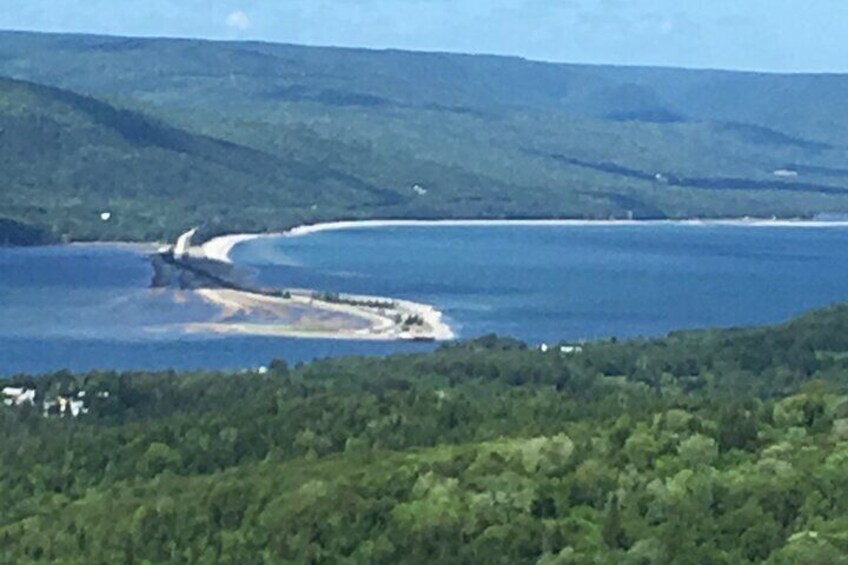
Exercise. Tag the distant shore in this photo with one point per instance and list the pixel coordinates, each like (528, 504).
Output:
(220, 248)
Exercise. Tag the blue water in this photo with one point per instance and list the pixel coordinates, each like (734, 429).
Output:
(89, 307)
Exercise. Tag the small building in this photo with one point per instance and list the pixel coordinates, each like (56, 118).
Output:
(77, 407)
(72, 406)
(68, 406)
(14, 396)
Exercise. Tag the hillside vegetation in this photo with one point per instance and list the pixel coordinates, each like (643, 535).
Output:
(240, 135)
(66, 158)
(708, 447)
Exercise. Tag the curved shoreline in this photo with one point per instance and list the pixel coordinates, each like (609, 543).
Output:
(219, 248)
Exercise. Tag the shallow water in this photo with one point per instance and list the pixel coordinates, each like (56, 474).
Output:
(89, 307)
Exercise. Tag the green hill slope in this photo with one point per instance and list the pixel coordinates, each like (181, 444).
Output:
(704, 447)
(66, 158)
(340, 133)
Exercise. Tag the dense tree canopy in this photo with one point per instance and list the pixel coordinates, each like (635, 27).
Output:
(709, 447)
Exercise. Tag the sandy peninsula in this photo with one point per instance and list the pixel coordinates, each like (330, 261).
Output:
(303, 314)
(309, 313)
(219, 248)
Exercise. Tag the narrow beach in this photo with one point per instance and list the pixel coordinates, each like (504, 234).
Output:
(350, 318)
(219, 248)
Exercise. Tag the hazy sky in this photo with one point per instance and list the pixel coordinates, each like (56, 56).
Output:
(776, 35)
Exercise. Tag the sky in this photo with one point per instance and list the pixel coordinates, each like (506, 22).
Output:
(763, 35)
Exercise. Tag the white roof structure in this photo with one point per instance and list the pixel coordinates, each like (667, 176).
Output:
(77, 407)
(17, 396)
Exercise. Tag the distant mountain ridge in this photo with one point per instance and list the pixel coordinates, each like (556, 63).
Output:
(345, 76)
(316, 133)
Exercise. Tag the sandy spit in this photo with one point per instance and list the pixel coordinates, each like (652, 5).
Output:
(219, 248)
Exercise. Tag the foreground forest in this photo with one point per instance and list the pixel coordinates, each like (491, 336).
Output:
(167, 134)
(702, 447)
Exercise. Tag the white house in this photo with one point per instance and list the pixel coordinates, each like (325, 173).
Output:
(77, 407)
(72, 405)
(69, 405)
(13, 396)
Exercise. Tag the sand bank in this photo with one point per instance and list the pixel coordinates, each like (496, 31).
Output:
(382, 324)
(303, 316)
(219, 248)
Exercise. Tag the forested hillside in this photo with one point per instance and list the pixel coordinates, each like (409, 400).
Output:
(705, 447)
(67, 158)
(271, 135)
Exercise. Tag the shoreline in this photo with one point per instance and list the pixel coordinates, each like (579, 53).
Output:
(380, 324)
(138, 246)
(219, 248)
(350, 321)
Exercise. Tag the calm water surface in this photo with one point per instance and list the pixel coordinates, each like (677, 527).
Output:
(89, 307)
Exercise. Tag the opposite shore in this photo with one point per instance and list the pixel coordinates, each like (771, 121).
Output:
(219, 248)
